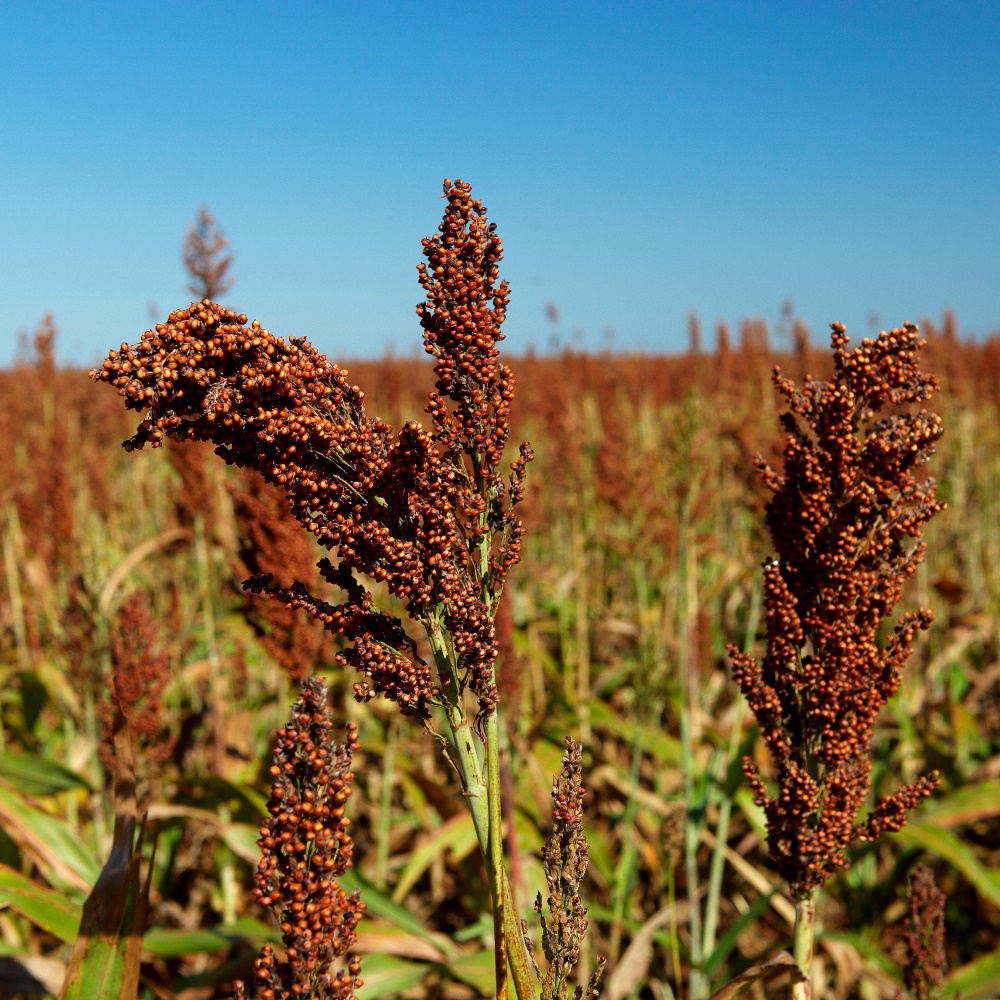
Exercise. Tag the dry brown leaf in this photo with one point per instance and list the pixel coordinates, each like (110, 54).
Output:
(781, 964)
(633, 967)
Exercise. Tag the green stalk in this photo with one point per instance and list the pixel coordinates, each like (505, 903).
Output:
(217, 677)
(228, 886)
(803, 947)
(694, 816)
(482, 793)
(384, 830)
(625, 869)
(460, 736)
(11, 543)
(715, 873)
(718, 864)
(99, 798)
(483, 797)
(502, 900)
(582, 637)
(675, 945)
(698, 984)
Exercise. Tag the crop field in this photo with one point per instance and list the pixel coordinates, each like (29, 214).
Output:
(645, 537)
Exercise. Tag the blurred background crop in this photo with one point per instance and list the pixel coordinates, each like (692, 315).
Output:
(645, 160)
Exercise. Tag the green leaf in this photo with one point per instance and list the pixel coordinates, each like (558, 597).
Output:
(98, 967)
(602, 852)
(168, 942)
(735, 779)
(458, 836)
(107, 952)
(752, 812)
(209, 792)
(44, 907)
(864, 948)
(242, 839)
(478, 970)
(947, 846)
(728, 941)
(388, 976)
(975, 981)
(653, 741)
(967, 804)
(49, 841)
(482, 928)
(33, 698)
(378, 904)
(35, 775)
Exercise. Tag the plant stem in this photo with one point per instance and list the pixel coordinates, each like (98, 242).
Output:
(582, 637)
(625, 869)
(478, 793)
(804, 930)
(695, 798)
(693, 824)
(217, 677)
(501, 894)
(675, 945)
(384, 829)
(482, 793)
(716, 871)
(12, 536)
(725, 804)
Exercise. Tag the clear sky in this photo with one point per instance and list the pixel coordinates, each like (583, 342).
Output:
(641, 160)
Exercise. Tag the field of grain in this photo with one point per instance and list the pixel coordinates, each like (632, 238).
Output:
(642, 560)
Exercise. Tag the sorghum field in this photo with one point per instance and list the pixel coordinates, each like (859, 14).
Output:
(642, 557)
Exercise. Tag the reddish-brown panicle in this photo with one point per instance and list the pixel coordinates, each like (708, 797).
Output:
(845, 518)
(564, 859)
(924, 933)
(140, 672)
(428, 515)
(306, 848)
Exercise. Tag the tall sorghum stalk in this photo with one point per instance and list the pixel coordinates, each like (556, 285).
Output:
(427, 514)
(845, 520)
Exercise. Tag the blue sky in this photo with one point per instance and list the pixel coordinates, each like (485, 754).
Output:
(640, 160)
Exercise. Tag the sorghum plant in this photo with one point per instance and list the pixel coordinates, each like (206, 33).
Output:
(429, 514)
(205, 259)
(845, 519)
(924, 934)
(140, 672)
(564, 859)
(272, 541)
(306, 847)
